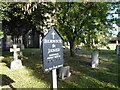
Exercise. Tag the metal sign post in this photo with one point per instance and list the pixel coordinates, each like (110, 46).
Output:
(54, 79)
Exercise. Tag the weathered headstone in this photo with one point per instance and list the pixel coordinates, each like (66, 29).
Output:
(52, 54)
(16, 63)
(64, 72)
(22, 46)
(117, 49)
(95, 59)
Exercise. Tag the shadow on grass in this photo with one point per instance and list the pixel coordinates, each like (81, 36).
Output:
(7, 60)
(84, 76)
(6, 81)
(106, 72)
(34, 62)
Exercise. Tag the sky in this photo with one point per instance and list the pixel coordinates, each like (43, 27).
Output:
(114, 25)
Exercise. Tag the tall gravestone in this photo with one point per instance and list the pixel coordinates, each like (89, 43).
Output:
(52, 54)
(16, 63)
(95, 59)
(117, 49)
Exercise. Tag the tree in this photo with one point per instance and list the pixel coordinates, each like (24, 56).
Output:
(118, 35)
(40, 12)
(26, 15)
(117, 6)
(86, 22)
(20, 18)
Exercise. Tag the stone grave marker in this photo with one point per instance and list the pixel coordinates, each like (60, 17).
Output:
(16, 63)
(22, 46)
(117, 49)
(52, 54)
(64, 72)
(95, 59)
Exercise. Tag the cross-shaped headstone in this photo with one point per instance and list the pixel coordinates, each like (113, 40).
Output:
(15, 50)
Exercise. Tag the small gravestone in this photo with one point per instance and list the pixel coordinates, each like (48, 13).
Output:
(22, 46)
(117, 49)
(16, 63)
(95, 59)
(64, 72)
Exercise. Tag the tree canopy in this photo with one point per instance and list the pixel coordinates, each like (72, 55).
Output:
(17, 16)
(85, 23)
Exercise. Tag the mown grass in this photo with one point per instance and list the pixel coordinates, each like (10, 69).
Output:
(83, 76)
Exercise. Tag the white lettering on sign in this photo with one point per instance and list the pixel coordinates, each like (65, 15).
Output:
(53, 54)
(53, 50)
(54, 67)
(52, 41)
(58, 56)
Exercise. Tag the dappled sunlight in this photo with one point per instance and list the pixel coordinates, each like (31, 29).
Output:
(92, 79)
(83, 55)
(83, 76)
(38, 66)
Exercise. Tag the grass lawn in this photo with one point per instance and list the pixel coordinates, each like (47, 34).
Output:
(83, 76)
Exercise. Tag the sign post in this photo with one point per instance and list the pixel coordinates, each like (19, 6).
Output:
(52, 54)
(54, 78)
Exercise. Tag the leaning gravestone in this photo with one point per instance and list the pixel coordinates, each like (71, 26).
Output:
(64, 72)
(16, 63)
(52, 54)
(95, 59)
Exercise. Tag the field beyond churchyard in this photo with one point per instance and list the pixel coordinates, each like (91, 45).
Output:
(83, 76)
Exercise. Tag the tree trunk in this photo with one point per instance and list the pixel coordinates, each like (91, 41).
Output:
(72, 48)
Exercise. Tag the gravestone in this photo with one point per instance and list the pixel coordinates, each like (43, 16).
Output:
(64, 72)
(95, 59)
(117, 49)
(22, 46)
(16, 63)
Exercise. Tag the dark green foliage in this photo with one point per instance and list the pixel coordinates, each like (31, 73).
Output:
(27, 16)
(84, 22)
(118, 34)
